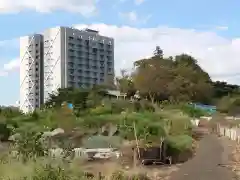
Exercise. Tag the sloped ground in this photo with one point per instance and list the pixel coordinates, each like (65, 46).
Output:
(207, 164)
(234, 159)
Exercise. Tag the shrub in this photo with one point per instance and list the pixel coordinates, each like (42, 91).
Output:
(5, 132)
(29, 145)
(137, 106)
(192, 112)
(102, 142)
(100, 110)
(147, 106)
(180, 143)
(49, 172)
(121, 105)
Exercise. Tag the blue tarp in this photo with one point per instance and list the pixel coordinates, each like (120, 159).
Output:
(70, 106)
(204, 107)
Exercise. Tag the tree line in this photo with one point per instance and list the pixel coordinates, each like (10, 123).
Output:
(176, 79)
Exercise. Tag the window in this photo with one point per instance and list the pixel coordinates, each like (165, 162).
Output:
(71, 44)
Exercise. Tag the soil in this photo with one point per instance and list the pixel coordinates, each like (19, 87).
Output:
(209, 162)
(234, 158)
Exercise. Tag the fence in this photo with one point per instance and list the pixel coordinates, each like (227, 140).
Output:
(231, 133)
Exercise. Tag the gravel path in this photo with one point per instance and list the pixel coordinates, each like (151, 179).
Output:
(206, 165)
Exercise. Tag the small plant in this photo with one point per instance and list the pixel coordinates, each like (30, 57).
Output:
(48, 172)
(118, 175)
(29, 145)
(139, 177)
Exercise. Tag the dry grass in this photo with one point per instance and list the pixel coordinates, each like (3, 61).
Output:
(14, 169)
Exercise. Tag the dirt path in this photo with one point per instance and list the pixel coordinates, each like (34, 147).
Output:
(206, 165)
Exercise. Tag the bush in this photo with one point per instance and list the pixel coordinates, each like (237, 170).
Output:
(29, 145)
(224, 104)
(119, 106)
(147, 106)
(179, 143)
(98, 121)
(102, 142)
(49, 172)
(192, 112)
(101, 110)
(5, 132)
(137, 106)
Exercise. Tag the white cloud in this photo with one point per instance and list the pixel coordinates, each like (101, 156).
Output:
(138, 2)
(130, 16)
(11, 66)
(3, 73)
(219, 56)
(216, 54)
(84, 7)
(222, 28)
(12, 43)
(8, 46)
(133, 17)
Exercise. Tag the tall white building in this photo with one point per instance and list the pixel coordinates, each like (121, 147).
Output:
(31, 72)
(72, 58)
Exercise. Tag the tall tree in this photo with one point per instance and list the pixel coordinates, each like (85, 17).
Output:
(158, 52)
(152, 76)
(195, 80)
(221, 89)
(179, 78)
(125, 83)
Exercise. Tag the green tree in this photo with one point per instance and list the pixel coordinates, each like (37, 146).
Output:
(158, 52)
(194, 79)
(221, 89)
(125, 83)
(152, 77)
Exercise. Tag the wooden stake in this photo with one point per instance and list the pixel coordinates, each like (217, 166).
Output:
(136, 139)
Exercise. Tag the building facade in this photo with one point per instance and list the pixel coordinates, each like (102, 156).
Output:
(31, 72)
(74, 58)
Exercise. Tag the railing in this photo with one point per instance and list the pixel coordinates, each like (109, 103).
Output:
(231, 133)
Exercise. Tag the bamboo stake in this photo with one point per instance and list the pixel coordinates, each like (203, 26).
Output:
(135, 134)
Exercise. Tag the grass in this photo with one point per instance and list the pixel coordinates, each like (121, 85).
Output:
(167, 122)
(49, 169)
(52, 169)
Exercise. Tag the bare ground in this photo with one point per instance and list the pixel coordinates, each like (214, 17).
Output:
(209, 162)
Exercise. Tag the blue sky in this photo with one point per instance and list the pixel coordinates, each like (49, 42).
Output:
(209, 30)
